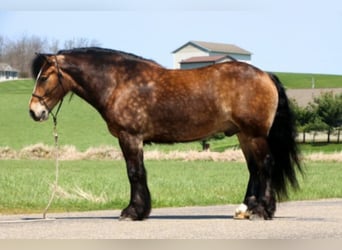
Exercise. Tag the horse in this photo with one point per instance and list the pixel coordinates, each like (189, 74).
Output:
(142, 102)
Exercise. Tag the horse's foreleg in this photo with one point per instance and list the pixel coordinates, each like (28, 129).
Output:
(260, 197)
(140, 202)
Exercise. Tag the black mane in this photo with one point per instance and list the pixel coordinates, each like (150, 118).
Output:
(38, 61)
(105, 51)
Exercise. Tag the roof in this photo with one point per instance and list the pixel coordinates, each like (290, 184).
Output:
(216, 47)
(7, 67)
(197, 59)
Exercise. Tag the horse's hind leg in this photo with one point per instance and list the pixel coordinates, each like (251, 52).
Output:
(140, 203)
(260, 197)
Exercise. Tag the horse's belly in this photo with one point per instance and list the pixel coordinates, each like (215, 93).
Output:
(184, 131)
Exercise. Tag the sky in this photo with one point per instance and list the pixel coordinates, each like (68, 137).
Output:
(283, 36)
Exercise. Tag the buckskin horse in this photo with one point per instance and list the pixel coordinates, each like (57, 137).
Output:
(143, 102)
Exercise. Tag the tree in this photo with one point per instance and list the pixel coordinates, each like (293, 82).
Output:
(316, 125)
(324, 114)
(80, 42)
(305, 118)
(20, 52)
(2, 45)
(54, 46)
(329, 109)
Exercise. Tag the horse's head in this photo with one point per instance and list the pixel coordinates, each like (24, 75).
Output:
(50, 87)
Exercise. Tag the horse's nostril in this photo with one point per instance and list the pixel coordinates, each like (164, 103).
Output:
(33, 115)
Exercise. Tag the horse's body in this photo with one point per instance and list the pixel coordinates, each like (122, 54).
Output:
(144, 102)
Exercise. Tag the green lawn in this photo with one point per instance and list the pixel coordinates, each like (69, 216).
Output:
(78, 123)
(321, 147)
(93, 185)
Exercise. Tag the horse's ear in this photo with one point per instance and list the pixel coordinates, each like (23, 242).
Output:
(44, 57)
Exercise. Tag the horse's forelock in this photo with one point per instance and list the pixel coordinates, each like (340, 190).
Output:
(37, 64)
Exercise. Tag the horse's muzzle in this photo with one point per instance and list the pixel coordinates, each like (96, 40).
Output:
(39, 116)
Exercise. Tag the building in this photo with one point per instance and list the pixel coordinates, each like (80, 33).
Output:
(196, 54)
(7, 72)
(201, 61)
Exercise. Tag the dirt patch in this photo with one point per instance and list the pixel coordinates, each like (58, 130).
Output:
(304, 96)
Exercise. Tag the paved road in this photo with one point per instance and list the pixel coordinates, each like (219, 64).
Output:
(304, 219)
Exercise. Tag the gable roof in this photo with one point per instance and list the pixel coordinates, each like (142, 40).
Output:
(7, 67)
(199, 59)
(215, 47)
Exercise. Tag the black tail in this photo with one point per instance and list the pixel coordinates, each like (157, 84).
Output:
(283, 145)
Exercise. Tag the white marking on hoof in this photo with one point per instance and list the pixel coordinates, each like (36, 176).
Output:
(241, 212)
(241, 209)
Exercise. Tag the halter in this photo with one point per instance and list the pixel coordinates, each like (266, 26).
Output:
(41, 98)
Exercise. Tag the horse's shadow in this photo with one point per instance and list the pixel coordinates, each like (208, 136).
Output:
(190, 217)
(152, 217)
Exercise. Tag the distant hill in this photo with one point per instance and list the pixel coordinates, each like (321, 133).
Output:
(300, 85)
(305, 80)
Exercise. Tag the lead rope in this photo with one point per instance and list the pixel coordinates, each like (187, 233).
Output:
(56, 149)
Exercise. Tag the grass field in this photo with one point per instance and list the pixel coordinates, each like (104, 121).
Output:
(78, 123)
(93, 185)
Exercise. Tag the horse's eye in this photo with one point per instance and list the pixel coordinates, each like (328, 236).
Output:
(43, 78)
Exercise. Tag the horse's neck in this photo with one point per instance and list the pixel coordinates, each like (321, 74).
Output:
(97, 87)
(95, 90)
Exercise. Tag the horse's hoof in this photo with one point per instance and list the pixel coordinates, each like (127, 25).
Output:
(241, 213)
(241, 216)
(130, 214)
(124, 218)
(256, 217)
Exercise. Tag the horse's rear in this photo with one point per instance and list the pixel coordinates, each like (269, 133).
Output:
(265, 126)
